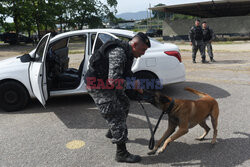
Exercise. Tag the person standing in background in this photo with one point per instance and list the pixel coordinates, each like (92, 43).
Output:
(208, 37)
(196, 41)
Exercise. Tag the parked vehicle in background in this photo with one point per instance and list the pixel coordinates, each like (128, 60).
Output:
(1, 36)
(11, 38)
(159, 32)
(154, 32)
(54, 68)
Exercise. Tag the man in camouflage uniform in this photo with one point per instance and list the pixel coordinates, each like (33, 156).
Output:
(196, 41)
(208, 36)
(109, 67)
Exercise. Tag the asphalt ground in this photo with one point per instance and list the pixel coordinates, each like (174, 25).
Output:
(70, 131)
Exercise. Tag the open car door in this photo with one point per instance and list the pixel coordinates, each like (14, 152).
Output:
(37, 71)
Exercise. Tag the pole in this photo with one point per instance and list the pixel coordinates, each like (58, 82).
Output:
(150, 17)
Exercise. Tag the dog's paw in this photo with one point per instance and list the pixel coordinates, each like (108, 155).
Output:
(161, 150)
(200, 138)
(152, 152)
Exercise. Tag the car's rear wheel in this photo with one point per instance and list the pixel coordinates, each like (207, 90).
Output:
(144, 77)
(148, 80)
(13, 96)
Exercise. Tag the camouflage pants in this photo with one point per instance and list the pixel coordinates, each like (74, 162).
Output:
(114, 107)
(208, 45)
(198, 45)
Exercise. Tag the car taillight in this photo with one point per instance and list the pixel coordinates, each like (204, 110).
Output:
(175, 54)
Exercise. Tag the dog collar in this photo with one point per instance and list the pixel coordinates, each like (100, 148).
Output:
(171, 106)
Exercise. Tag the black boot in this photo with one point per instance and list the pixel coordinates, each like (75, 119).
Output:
(122, 155)
(194, 61)
(204, 61)
(212, 60)
(109, 134)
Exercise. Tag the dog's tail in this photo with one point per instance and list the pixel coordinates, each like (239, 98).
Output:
(201, 94)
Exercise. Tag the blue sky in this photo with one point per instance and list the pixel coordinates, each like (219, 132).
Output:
(125, 6)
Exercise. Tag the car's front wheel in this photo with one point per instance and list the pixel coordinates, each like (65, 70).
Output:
(13, 96)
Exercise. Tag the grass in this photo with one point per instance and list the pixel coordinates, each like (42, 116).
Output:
(185, 50)
(213, 43)
(76, 52)
(223, 42)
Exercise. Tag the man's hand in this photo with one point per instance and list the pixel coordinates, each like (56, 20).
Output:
(191, 43)
(140, 91)
(137, 87)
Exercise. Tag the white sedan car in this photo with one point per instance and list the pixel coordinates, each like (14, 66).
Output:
(57, 66)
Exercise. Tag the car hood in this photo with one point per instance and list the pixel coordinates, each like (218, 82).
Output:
(13, 63)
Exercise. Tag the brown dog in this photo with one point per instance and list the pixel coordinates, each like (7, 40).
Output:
(186, 114)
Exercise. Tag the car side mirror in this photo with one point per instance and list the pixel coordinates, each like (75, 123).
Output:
(26, 58)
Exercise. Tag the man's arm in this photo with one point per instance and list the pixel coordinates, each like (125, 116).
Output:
(212, 35)
(191, 35)
(117, 60)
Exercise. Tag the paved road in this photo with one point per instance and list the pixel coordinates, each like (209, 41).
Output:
(39, 137)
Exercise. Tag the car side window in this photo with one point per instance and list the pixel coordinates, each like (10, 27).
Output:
(124, 38)
(40, 50)
(101, 39)
(77, 50)
(60, 44)
(67, 53)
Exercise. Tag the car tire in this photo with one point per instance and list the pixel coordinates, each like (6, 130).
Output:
(132, 94)
(13, 96)
(145, 75)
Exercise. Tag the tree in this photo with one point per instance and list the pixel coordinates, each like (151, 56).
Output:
(27, 19)
(44, 15)
(60, 13)
(89, 12)
(2, 14)
(13, 9)
(9, 27)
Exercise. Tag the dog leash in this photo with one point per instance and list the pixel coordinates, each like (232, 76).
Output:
(152, 141)
(148, 120)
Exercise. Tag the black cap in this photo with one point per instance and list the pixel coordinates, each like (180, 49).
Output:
(144, 38)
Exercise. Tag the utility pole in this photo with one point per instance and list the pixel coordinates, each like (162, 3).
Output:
(150, 17)
(147, 18)
(158, 20)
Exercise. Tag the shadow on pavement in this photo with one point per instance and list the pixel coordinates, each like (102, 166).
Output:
(80, 112)
(177, 90)
(226, 152)
(231, 62)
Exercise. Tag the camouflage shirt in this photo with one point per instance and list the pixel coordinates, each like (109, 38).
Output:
(119, 66)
